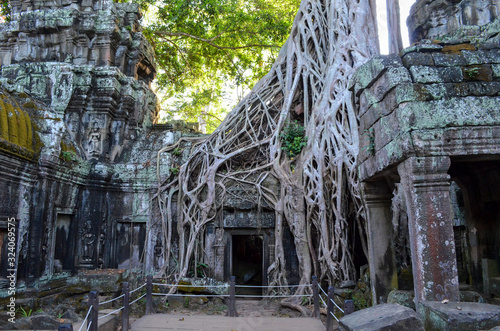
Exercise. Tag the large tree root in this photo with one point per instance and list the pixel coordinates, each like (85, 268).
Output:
(318, 197)
(296, 305)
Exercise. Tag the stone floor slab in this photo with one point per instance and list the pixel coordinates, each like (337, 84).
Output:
(459, 316)
(386, 317)
(162, 322)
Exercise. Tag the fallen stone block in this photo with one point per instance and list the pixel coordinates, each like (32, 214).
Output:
(386, 317)
(458, 315)
(403, 298)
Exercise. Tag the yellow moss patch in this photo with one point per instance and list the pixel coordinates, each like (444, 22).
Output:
(29, 142)
(4, 122)
(455, 49)
(13, 124)
(23, 130)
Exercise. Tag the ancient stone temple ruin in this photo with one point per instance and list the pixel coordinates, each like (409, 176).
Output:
(78, 147)
(81, 156)
(430, 117)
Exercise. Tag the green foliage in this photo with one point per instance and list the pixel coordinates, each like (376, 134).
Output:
(304, 301)
(68, 156)
(471, 72)
(200, 270)
(5, 10)
(174, 171)
(370, 148)
(177, 151)
(25, 313)
(360, 301)
(204, 48)
(293, 139)
(186, 302)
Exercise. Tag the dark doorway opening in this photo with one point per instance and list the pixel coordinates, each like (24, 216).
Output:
(64, 244)
(129, 244)
(247, 263)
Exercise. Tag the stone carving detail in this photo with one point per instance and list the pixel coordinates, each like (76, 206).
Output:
(431, 19)
(88, 243)
(99, 72)
(94, 143)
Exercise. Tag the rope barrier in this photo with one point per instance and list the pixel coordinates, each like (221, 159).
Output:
(88, 327)
(226, 286)
(334, 316)
(85, 320)
(342, 310)
(258, 286)
(104, 302)
(114, 311)
(326, 294)
(268, 296)
(191, 295)
(139, 298)
(206, 286)
(137, 289)
(324, 303)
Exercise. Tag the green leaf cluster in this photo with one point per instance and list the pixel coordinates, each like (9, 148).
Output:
(174, 170)
(293, 139)
(204, 48)
(5, 10)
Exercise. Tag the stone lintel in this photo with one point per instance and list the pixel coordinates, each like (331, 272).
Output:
(426, 186)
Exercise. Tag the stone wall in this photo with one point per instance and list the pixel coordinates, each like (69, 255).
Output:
(433, 19)
(429, 117)
(81, 189)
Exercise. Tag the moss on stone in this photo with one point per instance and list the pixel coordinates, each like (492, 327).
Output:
(456, 49)
(13, 124)
(4, 123)
(22, 129)
(29, 126)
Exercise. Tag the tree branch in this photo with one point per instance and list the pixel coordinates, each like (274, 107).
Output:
(210, 41)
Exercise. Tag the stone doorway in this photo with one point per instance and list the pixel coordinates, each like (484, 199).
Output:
(4, 253)
(129, 244)
(247, 257)
(63, 244)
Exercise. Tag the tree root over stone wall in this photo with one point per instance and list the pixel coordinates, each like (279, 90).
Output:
(318, 196)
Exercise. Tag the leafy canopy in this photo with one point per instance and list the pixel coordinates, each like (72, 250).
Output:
(205, 48)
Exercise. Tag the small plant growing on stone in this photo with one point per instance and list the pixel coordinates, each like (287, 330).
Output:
(370, 148)
(471, 72)
(177, 151)
(68, 156)
(174, 171)
(25, 313)
(186, 302)
(293, 139)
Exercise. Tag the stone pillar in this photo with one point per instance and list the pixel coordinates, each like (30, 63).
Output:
(383, 272)
(220, 249)
(426, 185)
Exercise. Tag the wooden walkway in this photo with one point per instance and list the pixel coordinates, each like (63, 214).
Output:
(159, 322)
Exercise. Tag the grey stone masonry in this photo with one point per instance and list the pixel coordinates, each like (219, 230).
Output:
(412, 103)
(431, 19)
(459, 316)
(387, 317)
(97, 75)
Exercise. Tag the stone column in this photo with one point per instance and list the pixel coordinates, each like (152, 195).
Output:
(426, 185)
(219, 254)
(383, 272)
